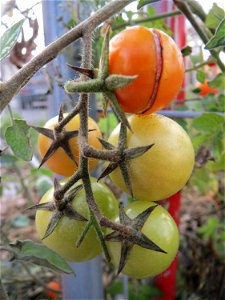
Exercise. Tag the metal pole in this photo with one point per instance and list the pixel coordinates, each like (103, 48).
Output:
(186, 114)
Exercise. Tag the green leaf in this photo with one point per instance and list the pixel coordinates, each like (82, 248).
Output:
(204, 181)
(9, 38)
(219, 38)
(208, 229)
(17, 138)
(197, 9)
(218, 165)
(70, 24)
(142, 3)
(208, 122)
(41, 255)
(218, 81)
(186, 51)
(108, 123)
(198, 140)
(201, 76)
(214, 17)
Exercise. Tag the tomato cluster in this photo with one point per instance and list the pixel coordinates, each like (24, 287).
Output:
(157, 174)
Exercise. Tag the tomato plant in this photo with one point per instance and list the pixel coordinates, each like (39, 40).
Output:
(166, 167)
(67, 232)
(157, 62)
(162, 230)
(60, 162)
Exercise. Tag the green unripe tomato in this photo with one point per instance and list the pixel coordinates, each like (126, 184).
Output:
(67, 232)
(162, 230)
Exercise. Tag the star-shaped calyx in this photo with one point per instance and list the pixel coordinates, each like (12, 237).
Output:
(60, 207)
(60, 138)
(134, 237)
(125, 154)
(102, 82)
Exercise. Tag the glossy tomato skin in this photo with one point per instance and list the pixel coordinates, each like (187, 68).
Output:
(67, 232)
(162, 230)
(60, 162)
(134, 51)
(165, 168)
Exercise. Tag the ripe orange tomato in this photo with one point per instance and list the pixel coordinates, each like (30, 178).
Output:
(165, 168)
(206, 89)
(162, 230)
(154, 57)
(53, 285)
(60, 162)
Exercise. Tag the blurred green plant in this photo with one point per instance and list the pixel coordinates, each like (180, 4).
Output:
(213, 231)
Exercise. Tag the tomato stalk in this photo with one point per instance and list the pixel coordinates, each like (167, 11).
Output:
(117, 156)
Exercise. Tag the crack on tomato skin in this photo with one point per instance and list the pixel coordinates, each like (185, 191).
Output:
(158, 72)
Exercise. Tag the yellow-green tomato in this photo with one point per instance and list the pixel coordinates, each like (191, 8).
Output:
(162, 230)
(67, 232)
(165, 168)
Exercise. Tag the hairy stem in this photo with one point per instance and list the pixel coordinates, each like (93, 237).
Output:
(69, 117)
(12, 86)
(83, 132)
(109, 155)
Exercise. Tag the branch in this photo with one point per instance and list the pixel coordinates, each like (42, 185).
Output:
(196, 67)
(184, 8)
(12, 86)
(149, 19)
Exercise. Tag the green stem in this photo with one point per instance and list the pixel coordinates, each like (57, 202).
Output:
(154, 18)
(100, 235)
(184, 8)
(26, 191)
(89, 86)
(196, 67)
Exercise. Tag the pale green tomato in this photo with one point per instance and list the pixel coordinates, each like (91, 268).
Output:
(162, 230)
(64, 237)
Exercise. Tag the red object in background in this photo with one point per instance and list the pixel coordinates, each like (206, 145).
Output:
(166, 281)
(53, 285)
